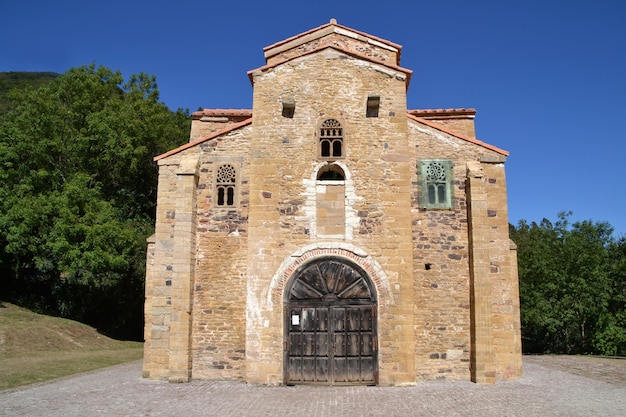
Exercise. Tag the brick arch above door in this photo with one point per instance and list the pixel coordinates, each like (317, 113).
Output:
(325, 249)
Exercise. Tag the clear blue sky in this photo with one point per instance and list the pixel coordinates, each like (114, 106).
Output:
(548, 78)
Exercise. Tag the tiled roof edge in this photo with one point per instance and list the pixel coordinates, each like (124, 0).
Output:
(198, 141)
(457, 135)
(222, 113)
(443, 112)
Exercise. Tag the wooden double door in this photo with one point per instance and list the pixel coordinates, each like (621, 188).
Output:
(331, 326)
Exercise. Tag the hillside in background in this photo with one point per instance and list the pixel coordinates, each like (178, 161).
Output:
(36, 347)
(21, 80)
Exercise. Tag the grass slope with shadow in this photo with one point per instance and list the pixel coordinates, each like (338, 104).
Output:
(36, 348)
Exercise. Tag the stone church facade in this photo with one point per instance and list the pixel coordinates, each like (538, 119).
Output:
(331, 236)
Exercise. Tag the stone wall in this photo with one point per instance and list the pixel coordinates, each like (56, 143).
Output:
(170, 271)
(442, 260)
(195, 281)
(219, 316)
(441, 264)
(503, 271)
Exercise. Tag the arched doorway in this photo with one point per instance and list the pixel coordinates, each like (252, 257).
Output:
(330, 325)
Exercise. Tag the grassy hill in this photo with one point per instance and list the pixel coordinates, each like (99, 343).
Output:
(36, 348)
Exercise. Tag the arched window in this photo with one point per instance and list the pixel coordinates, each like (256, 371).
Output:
(331, 172)
(331, 140)
(225, 182)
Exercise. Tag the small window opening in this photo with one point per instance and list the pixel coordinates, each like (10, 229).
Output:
(330, 173)
(427, 267)
(337, 148)
(289, 107)
(373, 104)
(325, 144)
(225, 195)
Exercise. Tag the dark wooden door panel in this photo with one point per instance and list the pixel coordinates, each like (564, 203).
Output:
(340, 374)
(295, 344)
(354, 370)
(321, 369)
(368, 369)
(353, 337)
(295, 369)
(321, 344)
(308, 369)
(367, 345)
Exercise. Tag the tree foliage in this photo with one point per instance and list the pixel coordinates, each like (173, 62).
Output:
(78, 192)
(572, 286)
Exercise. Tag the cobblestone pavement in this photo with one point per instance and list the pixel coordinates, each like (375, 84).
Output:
(551, 386)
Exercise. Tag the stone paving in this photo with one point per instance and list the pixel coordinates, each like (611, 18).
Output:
(551, 386)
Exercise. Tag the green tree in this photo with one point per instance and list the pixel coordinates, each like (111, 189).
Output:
(570, 287)
(611, 336)
(78, 191)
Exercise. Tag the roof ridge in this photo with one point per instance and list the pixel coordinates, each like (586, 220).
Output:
(333, 22)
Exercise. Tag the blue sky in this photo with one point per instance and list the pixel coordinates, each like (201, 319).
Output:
(548, 78)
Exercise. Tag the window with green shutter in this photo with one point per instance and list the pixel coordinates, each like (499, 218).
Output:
(435, 183)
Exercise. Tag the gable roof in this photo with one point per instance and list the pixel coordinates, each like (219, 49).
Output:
(291, 48)
(324, 30)
(450, 132)
(203, 139)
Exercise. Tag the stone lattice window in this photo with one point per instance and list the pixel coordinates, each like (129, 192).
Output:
(435, 179)
(226, 181)
(331, 140)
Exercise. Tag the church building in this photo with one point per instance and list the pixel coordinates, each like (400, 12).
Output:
(329, 235)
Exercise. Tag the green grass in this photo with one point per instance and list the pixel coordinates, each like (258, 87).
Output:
(36, 348)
